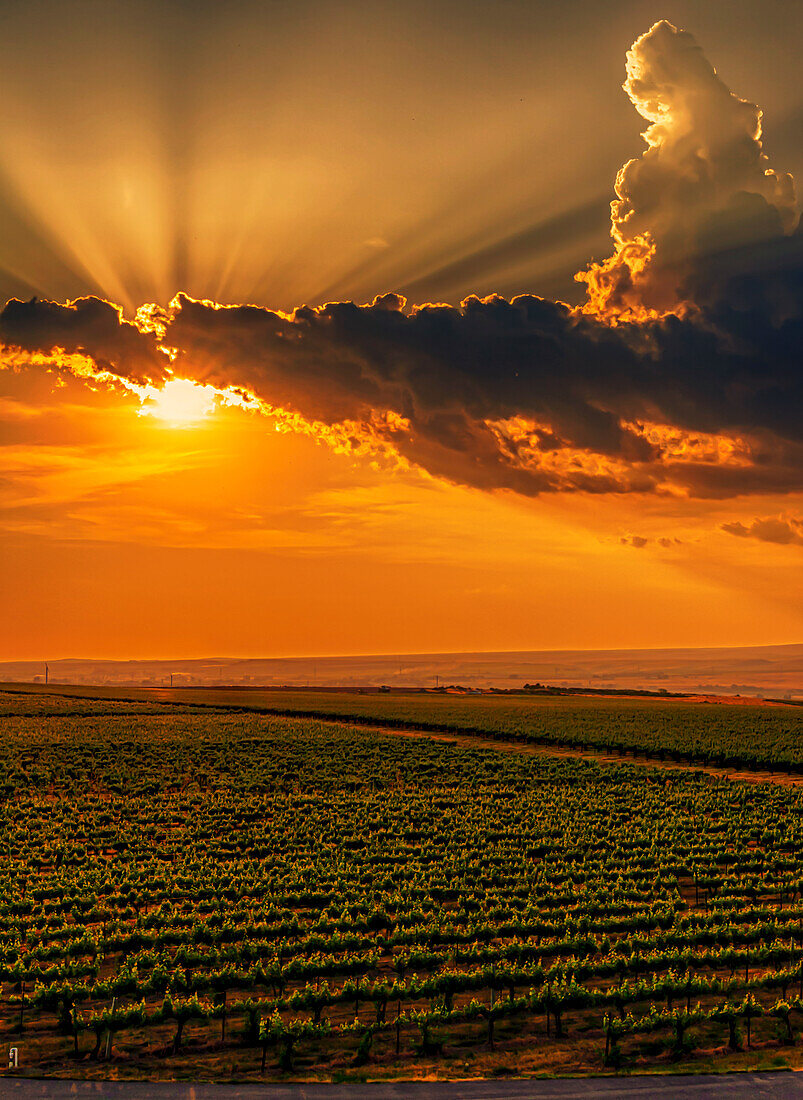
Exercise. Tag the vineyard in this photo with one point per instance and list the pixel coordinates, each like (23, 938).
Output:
(682, 730)
(190, 891)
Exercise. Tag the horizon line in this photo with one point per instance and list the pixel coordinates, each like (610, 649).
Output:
(396, 654)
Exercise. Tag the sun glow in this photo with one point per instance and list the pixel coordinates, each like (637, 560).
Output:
(180, 402)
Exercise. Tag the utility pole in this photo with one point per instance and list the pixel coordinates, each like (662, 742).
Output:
(47, 672)
(171, 679)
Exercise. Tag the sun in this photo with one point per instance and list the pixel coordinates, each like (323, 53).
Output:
(180, 402)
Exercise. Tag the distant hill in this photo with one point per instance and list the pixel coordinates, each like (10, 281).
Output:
(754, 670)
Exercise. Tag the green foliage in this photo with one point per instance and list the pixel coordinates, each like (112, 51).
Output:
(317, 872)
(678, 729)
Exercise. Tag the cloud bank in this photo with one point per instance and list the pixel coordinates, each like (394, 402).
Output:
(680, 374)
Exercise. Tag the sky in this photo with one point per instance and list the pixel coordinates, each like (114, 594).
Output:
(323, 336)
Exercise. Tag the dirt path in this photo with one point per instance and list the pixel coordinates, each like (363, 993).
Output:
(165, 698)
(781, 779)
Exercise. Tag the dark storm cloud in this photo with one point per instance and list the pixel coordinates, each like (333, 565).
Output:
(87, 326)
(523, 394)
(448, 372)
(454, 374)
(489, 359)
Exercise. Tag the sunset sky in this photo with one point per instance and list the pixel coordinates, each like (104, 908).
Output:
(284, 205)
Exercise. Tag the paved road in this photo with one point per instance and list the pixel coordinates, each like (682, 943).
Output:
(733, 1086)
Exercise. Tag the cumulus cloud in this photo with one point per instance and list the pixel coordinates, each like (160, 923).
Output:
(703, 183)
(87, 327)
(783, 530)
(625, 395)
(524, 394)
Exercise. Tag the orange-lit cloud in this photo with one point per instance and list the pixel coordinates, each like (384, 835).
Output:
(703, 184)
(524, 395)
(509, 472)
(783, 530)
(693, 391)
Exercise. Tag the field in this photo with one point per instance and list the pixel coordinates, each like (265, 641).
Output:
(200, 892)
(725, 735)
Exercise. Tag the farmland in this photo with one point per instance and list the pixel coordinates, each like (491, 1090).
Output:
(687, 730)
(678, 729)
(195, 891)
